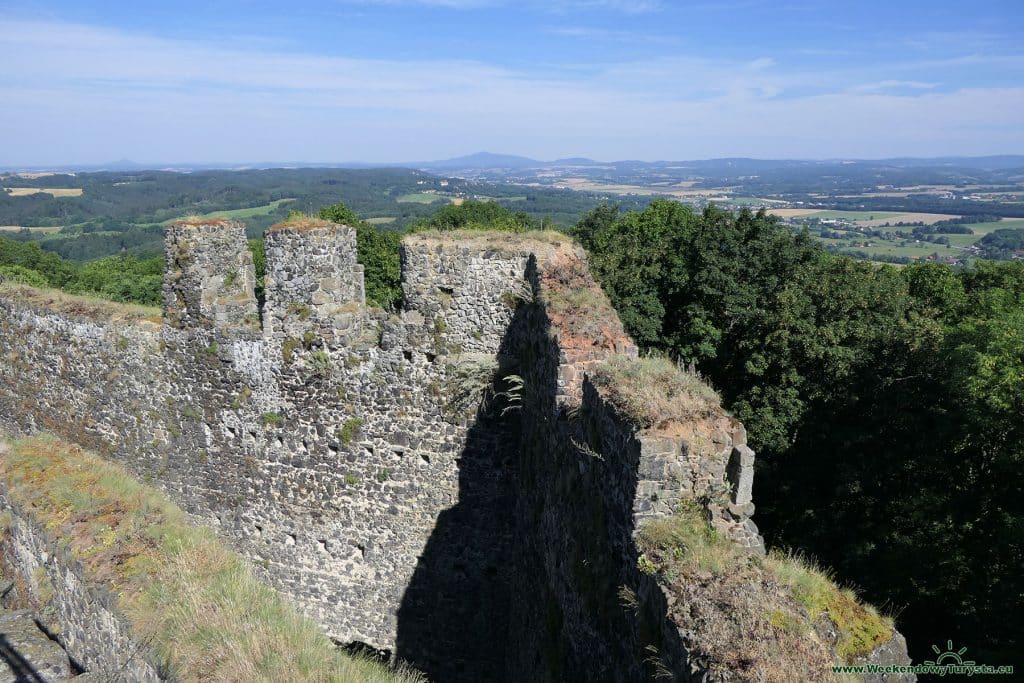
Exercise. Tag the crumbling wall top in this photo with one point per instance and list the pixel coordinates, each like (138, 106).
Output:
(209, 277)
(300, 223)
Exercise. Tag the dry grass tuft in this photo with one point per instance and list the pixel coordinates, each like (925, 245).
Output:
(581, 315)
(653, 391)
(195, 221)
(301, 222)
(774, 619)
(196, 601)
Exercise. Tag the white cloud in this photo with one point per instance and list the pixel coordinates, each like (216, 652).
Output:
(75, 93)
(891, 84)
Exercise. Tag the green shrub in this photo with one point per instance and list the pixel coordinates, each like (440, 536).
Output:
(24, 276)
(348, 430)
(272, 419)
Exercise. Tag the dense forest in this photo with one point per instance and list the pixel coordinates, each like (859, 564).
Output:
(119, 278)
(886, 404)
(124, 212)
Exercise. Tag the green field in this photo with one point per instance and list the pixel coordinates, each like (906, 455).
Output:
(891, 248)
(985, 228)
(240, 214)
(420, 198)
(919, 250)
(882, 248)
(963, 240)
(383, 220)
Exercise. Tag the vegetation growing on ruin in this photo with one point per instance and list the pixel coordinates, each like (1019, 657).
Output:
(857, 382)
(653, 391)
(886, 404)
(195, 601)
(579, 311)
(347, 432)
(778, 618)
(80, 305)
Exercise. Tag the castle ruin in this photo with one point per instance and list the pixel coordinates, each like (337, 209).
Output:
(443, 482)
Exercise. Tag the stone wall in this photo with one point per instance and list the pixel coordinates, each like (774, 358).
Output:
(440, 482)
(586, 478)
(88, 623)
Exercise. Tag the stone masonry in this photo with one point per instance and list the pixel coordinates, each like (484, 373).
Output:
(441, 482)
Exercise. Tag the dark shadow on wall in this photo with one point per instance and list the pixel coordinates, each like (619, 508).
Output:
(522, 580)
(20, 667)
(453, 619)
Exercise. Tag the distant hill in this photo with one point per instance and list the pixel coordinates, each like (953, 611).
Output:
(480, 160)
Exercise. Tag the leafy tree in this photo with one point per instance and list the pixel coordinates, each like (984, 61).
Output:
(477, 215)
(378, 251)
(1003, 243)
(29, 255)
(887, 405)
(259, 262)
(22, 275)
(121, 278)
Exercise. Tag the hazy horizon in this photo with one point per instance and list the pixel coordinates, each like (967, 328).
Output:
(355, 164)
(398, 81)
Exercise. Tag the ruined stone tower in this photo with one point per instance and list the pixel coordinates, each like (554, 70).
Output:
(313, 284)
(209, 280)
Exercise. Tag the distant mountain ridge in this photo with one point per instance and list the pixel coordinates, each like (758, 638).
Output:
(511, 162)
(488, 160)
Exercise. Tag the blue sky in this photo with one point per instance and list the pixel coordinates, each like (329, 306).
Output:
(400, 80)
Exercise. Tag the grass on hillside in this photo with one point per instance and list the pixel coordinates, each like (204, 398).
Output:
(653, 391)
(763, 615)
(420, 198)
(982, 229)
(196, 601)
(80, 304)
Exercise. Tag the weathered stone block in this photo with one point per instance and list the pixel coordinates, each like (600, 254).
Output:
(740, 472)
